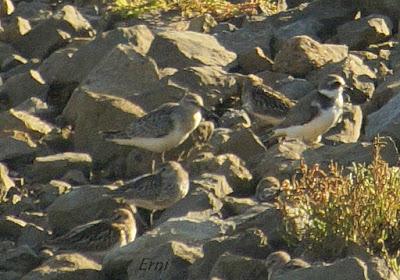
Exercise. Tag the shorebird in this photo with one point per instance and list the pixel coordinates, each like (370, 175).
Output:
(265, 104)
(158, 190)
(98, 237)
(164, 128)
(315, 113)
(267, 189)
(281, 262)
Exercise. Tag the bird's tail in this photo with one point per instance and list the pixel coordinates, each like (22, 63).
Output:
(271, 138)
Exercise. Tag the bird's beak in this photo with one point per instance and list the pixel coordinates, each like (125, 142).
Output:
(348, 87)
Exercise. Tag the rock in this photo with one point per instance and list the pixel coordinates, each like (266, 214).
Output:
(223, 27)
(48, 193)
(55, 166)
(6, 182)
(387, 7)
(32, 236)
(228, 165)
(199, 204)
(385, 121)
(217, 184)
(18, 145)
(264, 217)
(383, 93)
(360, 33)
(356, 73)
(308, 26)
(346, 154)
(13, 31)
(67, 267)
(10, 275)
(82, 205)
(293, 88)
(139, 37)
(123, 72)
(90, 113)
(11, 227)
(20, 87)
(254, 61)
(167, 261)
(212, 82)
(242, 143)
(301, 54)
(237, 267)
(278, 161)
(176, 229)
(346, 269)
(53, 33)
(251, 242)
(378, 270)
(7, 8)
(233, 119)
(203, 23)
(187, 48)
(7, 52)
(348, 130)
(237, 206)
(21, 259)
(35, 11)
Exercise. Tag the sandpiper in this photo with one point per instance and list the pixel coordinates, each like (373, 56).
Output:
(158, 190)
(98, 237)
(280, 261)
(267, 189)
(265, 104)
(164, 128)
(315, 113)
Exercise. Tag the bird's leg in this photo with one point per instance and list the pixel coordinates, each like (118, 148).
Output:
(163, 157)
(151, 217)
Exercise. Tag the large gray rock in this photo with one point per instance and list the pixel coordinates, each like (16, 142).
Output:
(188, 231)
(13, 31)
(23, 86)
(250, 243)
(66, 267)
(254, 61)
(54, 33)
(188, 49)
(228, 165)
(21, 259)
(55, 166)
(360, 33)
(385, 121)
(79, 65)
(301, 54)
(237, 267)
(123, 72)
(166, 261)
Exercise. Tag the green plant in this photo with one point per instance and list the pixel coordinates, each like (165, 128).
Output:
(220, 9)
(327, 211)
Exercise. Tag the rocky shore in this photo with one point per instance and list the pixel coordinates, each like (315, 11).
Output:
(67, 73)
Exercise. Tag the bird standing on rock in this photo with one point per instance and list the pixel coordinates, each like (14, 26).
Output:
(98, 237)
(164, 128)
(268, 106)
(280, 262)
(315, 113)
(158, 190)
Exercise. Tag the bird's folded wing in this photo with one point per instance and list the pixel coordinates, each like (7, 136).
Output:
(304, 111)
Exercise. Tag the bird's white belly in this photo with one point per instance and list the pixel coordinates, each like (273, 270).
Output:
(318, 126)
(162, 144)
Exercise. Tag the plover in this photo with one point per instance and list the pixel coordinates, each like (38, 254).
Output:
(265, 104)
(280, 261)
(164, 128)
(158, 190)
(98, 237)
(267, 189)
(315, 113)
